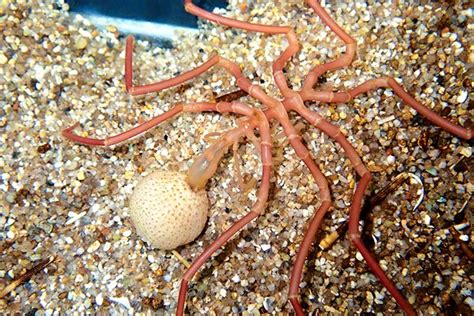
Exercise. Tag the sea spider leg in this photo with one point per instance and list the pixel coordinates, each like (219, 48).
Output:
(164, 84)
(235, 152)
(388, 82)
(290, 51)
(205, 167)
(319, 122)
(277, 111)
(303, 153)
(269, 29)
(231, 67)
(307, 92)
(139, 129)
(237, 172)
(354, 235)
(296, 103)
(343, 61)
(243, 83)
(334, 132)
(258, 208)
(112, 140)
(191, 8)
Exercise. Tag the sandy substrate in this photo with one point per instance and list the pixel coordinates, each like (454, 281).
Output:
(71, 201)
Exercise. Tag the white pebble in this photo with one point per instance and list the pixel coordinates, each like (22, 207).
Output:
(74, 217)
(93, 247)
(466, 152)
(99, 299)
(469, 301)
(462, 96)
(3, 59)
(10, 222)
(150, 258)
(71, 296)
(390, 160)
(122, 301)
(265, 247)
(386, 119)
(95, 208)
(223, 292)
(112, 285)
(87, 303)
(106, 246)
(369, 296)
(427, 220)
(379, 296)
(79, 278)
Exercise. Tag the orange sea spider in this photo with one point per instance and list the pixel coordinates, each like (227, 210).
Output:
(275, 110)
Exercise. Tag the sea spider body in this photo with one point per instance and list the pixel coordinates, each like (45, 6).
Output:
(275, 110)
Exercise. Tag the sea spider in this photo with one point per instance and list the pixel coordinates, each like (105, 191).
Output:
(275, 110)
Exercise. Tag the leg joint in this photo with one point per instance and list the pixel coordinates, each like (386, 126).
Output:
(317, 120)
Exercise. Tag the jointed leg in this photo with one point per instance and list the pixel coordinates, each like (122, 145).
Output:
(231, 67)
(197, 264)
(354, 235)
(309, 236)
(143, 89)
(214, 60)
(235, 152)
(243, 83)
(109, 141)
(332, 131)
(302, 254)
(257, 209)
(291, 50)
(190, 7)
(155, 87)
(307, 92)
(222, 107)
(388, 82)
(342, 61)
(205, 166)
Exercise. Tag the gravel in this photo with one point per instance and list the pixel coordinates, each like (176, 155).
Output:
(71, 201)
